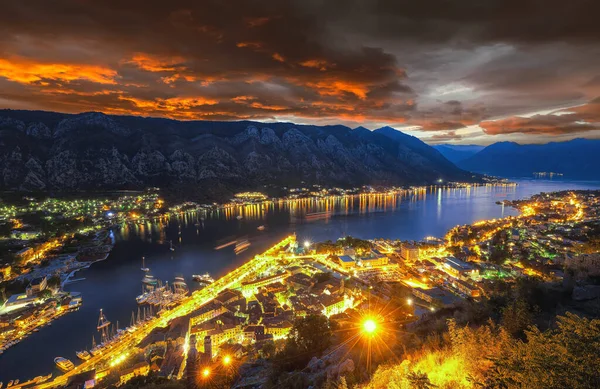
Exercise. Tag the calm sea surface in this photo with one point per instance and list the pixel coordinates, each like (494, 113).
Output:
(114, 283)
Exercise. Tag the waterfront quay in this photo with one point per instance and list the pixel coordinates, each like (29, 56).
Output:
(132, 338)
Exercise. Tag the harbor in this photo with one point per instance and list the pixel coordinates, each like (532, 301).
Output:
(114, 284)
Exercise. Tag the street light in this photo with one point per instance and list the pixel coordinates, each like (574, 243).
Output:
(369, 326)
(409, 301)
(206, 373)
(307, 243)
(226, 360)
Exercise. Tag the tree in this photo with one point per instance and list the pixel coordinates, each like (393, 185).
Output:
(268, 349)
(45, 294)
(517, 317)
(311, 333)
(419, 380)
(342, 383)
(309, 337)
(54, 281)
(566, 357)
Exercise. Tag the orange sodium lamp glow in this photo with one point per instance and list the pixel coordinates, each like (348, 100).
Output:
(226, 360)
(369, 326)
(205, 373)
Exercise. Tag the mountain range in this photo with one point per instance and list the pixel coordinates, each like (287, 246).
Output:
(577, 159)
(458, 153)
(48, 151)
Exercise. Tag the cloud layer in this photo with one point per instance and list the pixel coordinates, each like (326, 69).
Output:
(433, 67)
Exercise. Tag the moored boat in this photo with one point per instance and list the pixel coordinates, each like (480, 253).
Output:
(83, 355)
(64, 364)
(204, 278)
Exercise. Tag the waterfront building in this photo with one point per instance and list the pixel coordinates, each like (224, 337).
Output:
(251, 287)
(19, 300)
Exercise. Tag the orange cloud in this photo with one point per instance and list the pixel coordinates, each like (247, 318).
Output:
(339, 88)
(243, 99)
(268, 107)
(170, 105)
(25, 71)
(256, 22)
(156, 64)
(278, 57)
(316, 64)
(253, 45)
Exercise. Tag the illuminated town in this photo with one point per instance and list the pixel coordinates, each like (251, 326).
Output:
(365, 286)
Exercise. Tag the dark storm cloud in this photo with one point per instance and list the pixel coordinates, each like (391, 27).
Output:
(439, 65)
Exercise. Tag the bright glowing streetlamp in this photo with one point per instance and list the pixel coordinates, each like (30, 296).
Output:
(307, 243)
(226, 360)
(206, 373)
(369, 326)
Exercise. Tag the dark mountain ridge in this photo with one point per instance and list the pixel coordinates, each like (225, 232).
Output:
(575, 159)
(457, 153)
(43, 151)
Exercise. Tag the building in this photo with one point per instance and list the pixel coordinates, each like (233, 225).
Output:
(300, 281)
(409, 252)
(435, 296)
(346, 262)
(374, 261)
(332, 304)
(251, 287)
(466, 288)
(251, 333)
(208, 311)
(25, 253)
(25, 319)
(5, 271)
(36, 286)
(459, 269)
(279, 330)
(142, 368)
(19, 300)
(208, 350)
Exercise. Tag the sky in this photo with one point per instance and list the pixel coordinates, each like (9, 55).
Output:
(447, 71)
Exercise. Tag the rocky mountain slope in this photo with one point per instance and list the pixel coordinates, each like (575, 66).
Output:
(46, 151)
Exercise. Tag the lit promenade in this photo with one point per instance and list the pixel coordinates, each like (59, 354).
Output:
(233, 279)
